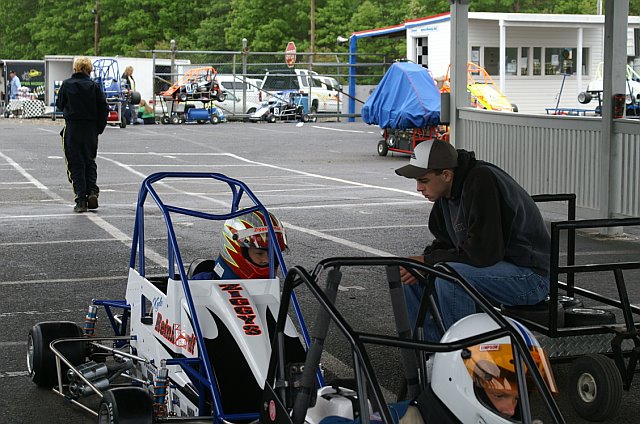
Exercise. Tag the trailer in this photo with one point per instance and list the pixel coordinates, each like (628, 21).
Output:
(31, 74)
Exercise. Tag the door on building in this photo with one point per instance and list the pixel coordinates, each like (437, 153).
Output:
(422, 51)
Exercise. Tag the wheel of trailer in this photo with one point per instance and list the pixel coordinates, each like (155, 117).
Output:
(182, 97)
(126, 405)
(175, 119)
(214, 119)
(201, 121)
(391, 140)
(581, 317)
(165, 120)
(271, 118)
(595, 387)
(221, 96)
(382, 148)
(41, 362)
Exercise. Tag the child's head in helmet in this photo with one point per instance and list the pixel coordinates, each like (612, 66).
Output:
(245, 244)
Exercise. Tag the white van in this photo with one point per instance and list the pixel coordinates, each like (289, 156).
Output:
(323, 95)
(235, 86)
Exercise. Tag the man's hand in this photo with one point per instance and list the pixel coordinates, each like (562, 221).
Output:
(405, 276)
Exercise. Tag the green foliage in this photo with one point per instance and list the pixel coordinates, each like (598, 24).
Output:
(31, 29)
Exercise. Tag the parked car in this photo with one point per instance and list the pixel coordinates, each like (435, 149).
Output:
(233, 105)
(322, 97)
(240, 87)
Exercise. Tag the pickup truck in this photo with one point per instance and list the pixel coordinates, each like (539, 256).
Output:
(323, 92)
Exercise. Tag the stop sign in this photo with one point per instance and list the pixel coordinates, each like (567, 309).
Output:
(290, 54)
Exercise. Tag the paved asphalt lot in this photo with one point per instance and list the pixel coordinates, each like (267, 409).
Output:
(324, 180)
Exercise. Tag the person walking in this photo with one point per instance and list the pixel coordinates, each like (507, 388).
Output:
(486, 227)
(85, 110)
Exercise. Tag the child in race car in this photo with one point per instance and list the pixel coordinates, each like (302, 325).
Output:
(244, 248)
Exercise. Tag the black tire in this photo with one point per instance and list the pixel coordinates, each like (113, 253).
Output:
(514, 107)
(201, 121)
(126, 405)
(391, 140)
(595, 387)
(166, 120)
(221, 96)
(182, 97)
(175, 119)
(584, 97)
(581, 317)
(41, 362)
(570, 302)
(214, 119)
(305, 118)
(123, 121)
(382, 148)
(135, 98)
(271, 118)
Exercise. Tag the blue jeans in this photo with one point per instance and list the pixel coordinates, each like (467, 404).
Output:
(502, 283)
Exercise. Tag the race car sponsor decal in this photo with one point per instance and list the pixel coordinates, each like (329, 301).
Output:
(243, 309)
(174, 335)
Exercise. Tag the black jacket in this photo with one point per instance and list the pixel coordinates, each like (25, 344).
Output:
(81, 99)
(502, 221)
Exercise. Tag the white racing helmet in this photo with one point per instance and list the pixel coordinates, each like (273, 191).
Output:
(478, 383)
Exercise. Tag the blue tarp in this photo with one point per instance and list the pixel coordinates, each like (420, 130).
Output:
(407, 97)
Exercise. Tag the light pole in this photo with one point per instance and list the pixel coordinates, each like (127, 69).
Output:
(96, 28)
(172, 45)
(313, 32)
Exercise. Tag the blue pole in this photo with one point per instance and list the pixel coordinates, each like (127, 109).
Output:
(352, 76)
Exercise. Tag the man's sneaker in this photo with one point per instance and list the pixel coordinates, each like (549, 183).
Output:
(92, 201)
(81, 206)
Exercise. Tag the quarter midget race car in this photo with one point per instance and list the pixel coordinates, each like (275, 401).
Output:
(209, 350)
(196, 84)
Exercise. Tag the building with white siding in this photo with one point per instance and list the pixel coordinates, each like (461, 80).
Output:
(530, 56)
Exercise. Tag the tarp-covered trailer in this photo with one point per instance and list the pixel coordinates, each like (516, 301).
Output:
(406, 105)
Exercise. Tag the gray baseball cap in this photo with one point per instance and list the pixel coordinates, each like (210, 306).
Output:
(429, 155)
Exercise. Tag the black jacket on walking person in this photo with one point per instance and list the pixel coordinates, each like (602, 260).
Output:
(85, 110)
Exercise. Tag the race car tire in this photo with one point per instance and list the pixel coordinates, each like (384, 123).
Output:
(201, 121)
(382, 148)
(214, 119)
(41, 362)
(221, 97)
(165, 120)
(271, 118)
(595, 387)
(514, 107)
(584, 97)
(126, 405)
(582, 317)
(182, 97)
(569, 302)
(135, 98)
(123, 121)
(305, 118)
(175, 119)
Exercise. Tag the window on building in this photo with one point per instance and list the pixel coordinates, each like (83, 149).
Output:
(563, 60)
(511, 61)
(537, 61)
(492, 60)
(523, 62)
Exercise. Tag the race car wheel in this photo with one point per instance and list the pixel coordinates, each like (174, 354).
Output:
(182, 97)
(595, 387)
(271, 118)
(391, 141)
(175, 119)
(123, 121)
(135, 98)
(201, 121)
(214, 119)
(584, 97)
(382, 148)
(165, 120)
(579, 317)
(514, 107)
(126, 405)
(305, 118)
(41, 362)
(221, 97)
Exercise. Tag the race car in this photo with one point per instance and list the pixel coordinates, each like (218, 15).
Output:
(182, 347)
(196, 84)
(284, 106)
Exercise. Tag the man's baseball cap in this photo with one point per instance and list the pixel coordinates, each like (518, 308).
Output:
(429, 155)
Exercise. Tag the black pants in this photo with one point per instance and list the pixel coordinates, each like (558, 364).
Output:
(80, 144)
